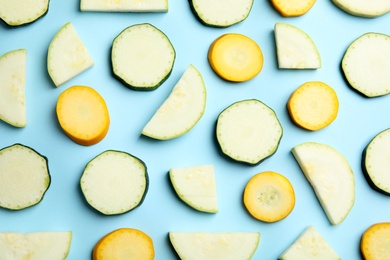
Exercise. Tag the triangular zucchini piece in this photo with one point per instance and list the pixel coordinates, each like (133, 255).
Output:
(364, 8)
(124, 6)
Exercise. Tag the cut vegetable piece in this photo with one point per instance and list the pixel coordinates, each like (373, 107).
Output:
(269, 196)
(67, 55)
(35, 245)
(330, 176)
(248, 131)
(313, 106)
(218, 13)
(364, 8)
(374, 244)
(142, 57)
(124, 243)
(124, 6)
(291, 8)
(22, 12)
(215, 245)
(310, 245)
(24, 177)
(235, 57)
(376, 165)
(12, 87)
(196, 186)
(295, 49)
(366, 64)
(182, 110)
(83, 115)
(114, 182)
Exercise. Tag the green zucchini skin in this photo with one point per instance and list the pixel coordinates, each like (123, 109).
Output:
(14, 26)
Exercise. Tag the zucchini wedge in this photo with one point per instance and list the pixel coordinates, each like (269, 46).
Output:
(248, 131)
(142, 57)
(145, 6)
(114, 182)
(24, 177)
(364, 8)
(374, 242)
(22, 12)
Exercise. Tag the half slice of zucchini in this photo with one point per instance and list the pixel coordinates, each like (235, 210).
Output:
(146, 6)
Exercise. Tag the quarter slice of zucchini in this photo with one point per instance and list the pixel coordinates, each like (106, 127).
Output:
(124, 6)
(248, 131)
(24, 177)
(22, 12)
(114, 182)
(364, 8)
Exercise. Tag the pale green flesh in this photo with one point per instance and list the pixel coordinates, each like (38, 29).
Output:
(12, 87)
(19, 12)
(330, 176)
(364, 8)
(124, 5)
(35, 245)
(215, 246)
(196, 186)
(67, 55)
(181, 111)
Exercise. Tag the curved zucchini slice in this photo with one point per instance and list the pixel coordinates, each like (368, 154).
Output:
(114, 182)
(142, 57)
(24, 177)
(124, 6)
(364, 8)
(248, 131)
(22, 12)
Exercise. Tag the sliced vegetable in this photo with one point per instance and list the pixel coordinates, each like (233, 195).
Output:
(124, 243)
(375, 162)
(295, 49)
(248, 131)
(181, 111)
(364, 8)
(366, 64)
(196, 186)
(220, 13)
(313, 106)
(269, 196)
(291, 8)
(24, 177)
(142, 57)
(22, 12)
(114, 182)
(12, 87)
(83, 115)
(330, 176)
(309, 245)
(35, 245)
(67, 55)
(374, 244)
(215, 245)
(235, 57)
(124, 6)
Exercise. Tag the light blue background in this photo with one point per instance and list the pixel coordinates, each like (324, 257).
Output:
(63, 207)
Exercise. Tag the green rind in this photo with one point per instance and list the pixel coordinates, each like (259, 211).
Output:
(16, 25)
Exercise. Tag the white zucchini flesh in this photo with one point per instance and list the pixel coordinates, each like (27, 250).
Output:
(366, 64)
(12, 87)
(67, 55)
(54, 245)
(330, 176)
(295, 48)
(24, 177)
(124, 5)
(142, 57)
(364, 8)
(309, 245)
(114, 182)
(248, 131)
(182, 109)
(196, 186)
(215, 245)
(20, 12)
(221, 13)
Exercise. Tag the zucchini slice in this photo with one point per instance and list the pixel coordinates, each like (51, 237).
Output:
(292, 8)
(375, 163)
(182, 110)
(124, 6)
(22, 12)
(248, 131)
(35, 245)
(24, 177)
(215, 245)
(12, 87)
(330, 176)
(374, 243)
(142, 57)
(366, 64)
(364, 8)
(114, 182)
(217, 13)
